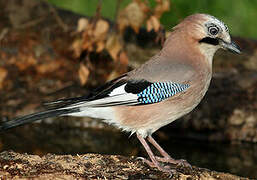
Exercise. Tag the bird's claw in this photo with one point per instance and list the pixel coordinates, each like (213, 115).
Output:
(179, 162)
(183, 163)
(166, 169)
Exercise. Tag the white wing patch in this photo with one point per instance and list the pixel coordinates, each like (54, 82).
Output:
(118, 90)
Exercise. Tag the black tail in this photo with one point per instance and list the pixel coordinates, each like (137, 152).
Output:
(34, 117)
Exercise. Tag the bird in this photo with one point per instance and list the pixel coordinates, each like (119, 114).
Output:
(163, 89)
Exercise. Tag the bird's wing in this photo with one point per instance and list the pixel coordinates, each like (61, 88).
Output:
(151, 83)
(131, 92)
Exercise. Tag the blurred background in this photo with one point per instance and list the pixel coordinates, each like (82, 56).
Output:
(52, 49)
(240, 16)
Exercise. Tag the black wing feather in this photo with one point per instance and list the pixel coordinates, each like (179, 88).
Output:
(107, 88)
(136, 87)
(98, 93)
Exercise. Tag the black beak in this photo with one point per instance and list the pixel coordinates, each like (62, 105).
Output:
(232, 47)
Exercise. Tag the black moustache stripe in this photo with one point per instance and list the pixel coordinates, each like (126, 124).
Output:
(208, 40)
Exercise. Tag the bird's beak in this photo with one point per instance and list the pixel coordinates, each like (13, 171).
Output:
(232, 47)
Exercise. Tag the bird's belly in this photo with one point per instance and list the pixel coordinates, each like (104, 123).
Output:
(146, 119)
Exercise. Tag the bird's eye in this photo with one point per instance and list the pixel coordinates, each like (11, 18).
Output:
(213, 30)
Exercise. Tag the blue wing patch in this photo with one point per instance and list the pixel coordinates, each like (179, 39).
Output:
(160, 91)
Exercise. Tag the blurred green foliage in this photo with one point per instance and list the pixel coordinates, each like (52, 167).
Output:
(88, 7)
(239, 15)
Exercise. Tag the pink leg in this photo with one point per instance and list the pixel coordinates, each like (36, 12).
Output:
(166, 157)
(154, 162)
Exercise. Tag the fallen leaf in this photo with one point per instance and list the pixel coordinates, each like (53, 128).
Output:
(25, 61)
(123, 62)
(100, 30)
(3, 74)
(100, 46)
(132, 15)
(94, 36)
(87, 45)
(149, 25)
(122, 21)
(82, 24)
(48, 67)
(87, 38)
(161, 7)
(153, 23)
(123, 58)
(83, 74)
(143, 5)
(76, 47)
(113, 46)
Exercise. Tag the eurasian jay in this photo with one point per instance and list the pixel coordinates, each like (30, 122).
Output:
(168, 86)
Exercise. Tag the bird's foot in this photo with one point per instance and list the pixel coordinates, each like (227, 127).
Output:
(158, 166)
(179, 162)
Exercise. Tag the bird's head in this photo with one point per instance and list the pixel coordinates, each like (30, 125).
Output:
(208, 33)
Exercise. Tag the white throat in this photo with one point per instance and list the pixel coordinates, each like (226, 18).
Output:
(208, 51)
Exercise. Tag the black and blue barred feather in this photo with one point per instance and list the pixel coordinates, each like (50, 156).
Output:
(160, 91)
